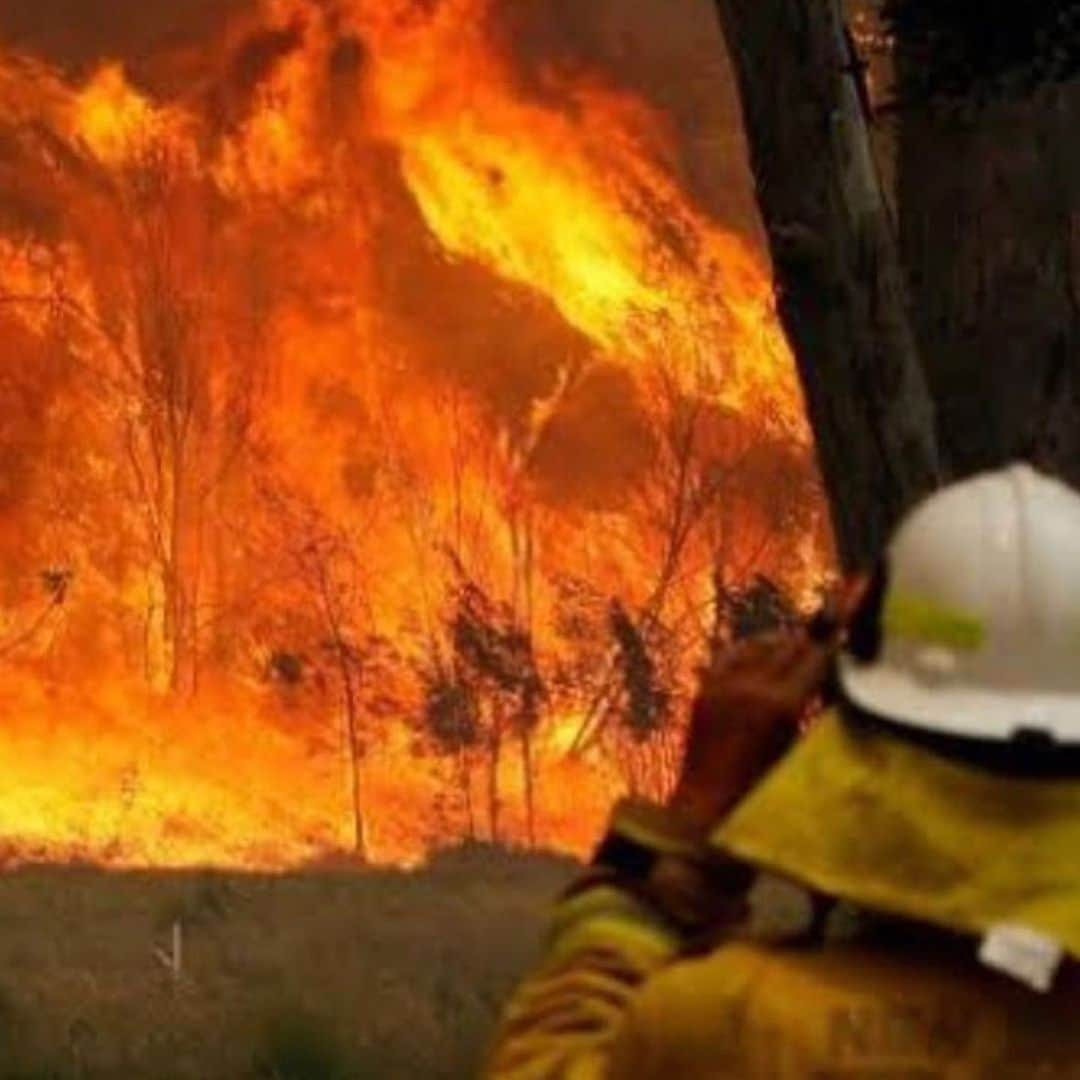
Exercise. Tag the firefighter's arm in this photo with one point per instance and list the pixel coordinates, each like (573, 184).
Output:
(652, 893)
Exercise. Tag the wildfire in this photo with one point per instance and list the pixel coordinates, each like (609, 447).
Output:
(371, 428)
(112, 118)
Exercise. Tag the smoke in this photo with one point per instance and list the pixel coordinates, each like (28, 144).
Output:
(76, 35)
(597, 446)
(460, 324)
(670, 52)
(421, 286)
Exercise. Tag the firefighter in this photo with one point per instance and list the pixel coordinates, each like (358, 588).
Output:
(931, 816)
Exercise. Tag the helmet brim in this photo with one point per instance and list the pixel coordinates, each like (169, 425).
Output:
(957, 709)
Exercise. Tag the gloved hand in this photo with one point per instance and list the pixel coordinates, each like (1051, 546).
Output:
(749, 708)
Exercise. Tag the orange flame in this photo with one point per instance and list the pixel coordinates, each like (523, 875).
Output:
(310, 352)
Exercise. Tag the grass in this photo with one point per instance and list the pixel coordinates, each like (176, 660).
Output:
(320, 975)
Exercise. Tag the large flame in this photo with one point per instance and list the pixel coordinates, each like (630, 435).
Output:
(354, 348)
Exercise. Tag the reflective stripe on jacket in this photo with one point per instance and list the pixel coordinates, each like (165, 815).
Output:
(948, 851)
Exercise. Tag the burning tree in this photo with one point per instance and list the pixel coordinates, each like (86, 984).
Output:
(327, 625)
(55, 585)
(452, 724)
(141, 285)
(330, 572)
(498, 668)
(705, 518)
(338, 362)
(195, 395)
(645, 743)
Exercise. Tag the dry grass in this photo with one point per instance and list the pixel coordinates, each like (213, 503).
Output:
(324, 975)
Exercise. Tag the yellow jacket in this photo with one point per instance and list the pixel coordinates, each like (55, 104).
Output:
(752, 1011)
(957, 854)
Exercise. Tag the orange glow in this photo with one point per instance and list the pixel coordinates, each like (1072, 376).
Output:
(115, 121)
(308, 360)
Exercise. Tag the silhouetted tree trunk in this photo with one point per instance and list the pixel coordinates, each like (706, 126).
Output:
(465, 782)
(989, 194)
(520, 527)
(528, 769)
(346, 661)
(840, 288)
(495, 738)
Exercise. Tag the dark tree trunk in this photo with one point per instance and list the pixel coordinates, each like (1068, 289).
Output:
(465, 781)
(840, 288)
(528, 775)
(352, 734)
(351, 706)
(495, 736)
(990, 230)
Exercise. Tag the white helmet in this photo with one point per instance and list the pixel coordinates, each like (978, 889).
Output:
(980, 616)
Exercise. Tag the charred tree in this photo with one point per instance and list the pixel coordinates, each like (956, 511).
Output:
(840, 287)
(348, 664)
(327, 566)
(452, 723)
(990, 232)
(496, 655)
(642, 730)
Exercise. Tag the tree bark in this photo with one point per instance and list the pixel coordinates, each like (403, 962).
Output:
(990, 231)
(840, 288)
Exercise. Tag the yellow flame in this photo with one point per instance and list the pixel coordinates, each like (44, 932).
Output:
(574, 203)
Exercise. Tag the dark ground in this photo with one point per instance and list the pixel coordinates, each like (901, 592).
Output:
(322, 975)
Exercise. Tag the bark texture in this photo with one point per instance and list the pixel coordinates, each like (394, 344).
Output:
(840, 288)
(990, 232)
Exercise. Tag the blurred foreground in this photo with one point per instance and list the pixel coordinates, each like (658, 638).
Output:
(316, 975)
